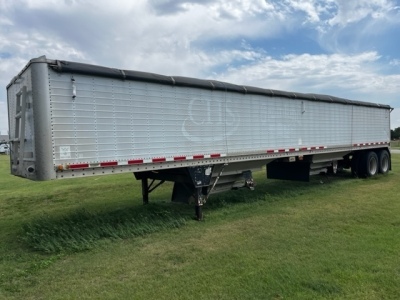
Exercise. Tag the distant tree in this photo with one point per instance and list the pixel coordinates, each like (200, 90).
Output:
(395, 134)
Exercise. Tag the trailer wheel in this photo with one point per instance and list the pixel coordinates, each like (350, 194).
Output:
(369, 164)
(384, 161)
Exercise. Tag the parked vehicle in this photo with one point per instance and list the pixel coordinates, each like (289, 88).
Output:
(69, 119)
(4, 149)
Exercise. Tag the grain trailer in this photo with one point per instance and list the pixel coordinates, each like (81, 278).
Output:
(69, 119)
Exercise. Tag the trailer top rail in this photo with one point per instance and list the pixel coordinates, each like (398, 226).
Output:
(63, 66)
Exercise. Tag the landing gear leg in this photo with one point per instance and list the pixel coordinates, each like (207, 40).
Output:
(201, 177)
(200, 198)
(148, 188)
(145, 191)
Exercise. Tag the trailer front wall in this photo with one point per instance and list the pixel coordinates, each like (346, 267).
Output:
(112, 119)
(28, 131)
(21, 125)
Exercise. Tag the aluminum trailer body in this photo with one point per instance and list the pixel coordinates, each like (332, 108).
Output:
(68, 119)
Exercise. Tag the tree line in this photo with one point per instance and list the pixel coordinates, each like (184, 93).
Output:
(395, 134)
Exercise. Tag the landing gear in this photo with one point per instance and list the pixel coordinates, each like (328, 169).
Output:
(145, 191)
(200, 198)
(193, 185)
(201, 178)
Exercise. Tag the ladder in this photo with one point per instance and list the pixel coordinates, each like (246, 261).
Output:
(18, 142)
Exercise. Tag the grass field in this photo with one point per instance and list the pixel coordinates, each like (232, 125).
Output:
(395, 144)
(91, 238)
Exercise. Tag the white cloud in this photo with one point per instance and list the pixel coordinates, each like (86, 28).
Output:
(356, 10)
(315, 10)
(240, 9)
(395, 62)
(395, 118)
(348, 76)
(124, 34)
(67, 6)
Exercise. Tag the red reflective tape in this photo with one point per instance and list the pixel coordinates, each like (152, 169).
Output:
(292, 150)
(135, 161)
(198, 156)
(109, 164)
(158, 159)
(281, 150)
(304, 149)
(180, 158)
(78, 166)
(270, 151)
(215, 155)
(370, 144)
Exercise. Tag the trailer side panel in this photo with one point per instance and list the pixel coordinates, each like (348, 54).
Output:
(83, 119)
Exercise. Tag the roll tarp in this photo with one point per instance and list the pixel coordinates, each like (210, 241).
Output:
(94, 70)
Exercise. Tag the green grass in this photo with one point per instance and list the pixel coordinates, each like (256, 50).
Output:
(91, 238)
(83, 230)
(395, 144)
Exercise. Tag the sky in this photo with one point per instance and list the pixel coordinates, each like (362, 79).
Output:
(344, 48)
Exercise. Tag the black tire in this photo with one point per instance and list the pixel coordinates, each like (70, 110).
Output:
(384, 161)
(369, 164)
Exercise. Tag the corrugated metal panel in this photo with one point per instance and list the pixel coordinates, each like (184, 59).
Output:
(117, 120)
(370, 125)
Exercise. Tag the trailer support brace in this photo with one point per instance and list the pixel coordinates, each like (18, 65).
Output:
(148, 188)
